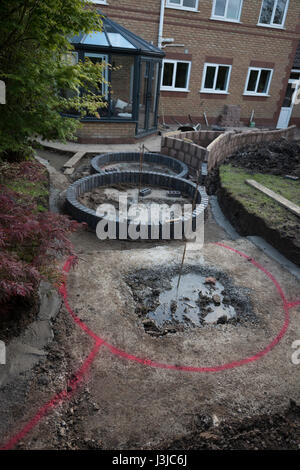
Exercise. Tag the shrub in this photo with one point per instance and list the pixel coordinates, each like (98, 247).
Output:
(30, 242)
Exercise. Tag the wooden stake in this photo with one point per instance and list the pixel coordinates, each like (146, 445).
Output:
(185, 245)
(141, 168)
(180, 271)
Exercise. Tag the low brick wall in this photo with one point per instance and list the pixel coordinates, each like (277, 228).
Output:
(106, 133)
(84, 214)
(188, 152)
(179, 168)
(202, 138)
(222, 145)
(230, 142)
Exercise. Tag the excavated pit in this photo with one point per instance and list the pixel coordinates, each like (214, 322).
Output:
(206, 298)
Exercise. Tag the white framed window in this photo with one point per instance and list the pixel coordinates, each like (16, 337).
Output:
(216, 78)
(183, 4)
(227, 10)
(176, 75)
(273, 13)
(258, 81)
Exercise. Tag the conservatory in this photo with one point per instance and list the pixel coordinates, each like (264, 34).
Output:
(133, 83)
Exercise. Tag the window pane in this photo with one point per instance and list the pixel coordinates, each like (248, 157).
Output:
(174, 2)
(295, 75)
(210, 77)
(181, 75)
(122, 74)
(220, 7)
(117, 40)
(252, 80)
(279, 13)
(189, 3)
(168, 74)
(233, 11)
(264, 81)
(222, 78)
(96, 39)
(267, 11)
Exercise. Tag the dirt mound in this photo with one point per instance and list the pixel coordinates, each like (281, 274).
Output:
(276, 158)
(276, 432)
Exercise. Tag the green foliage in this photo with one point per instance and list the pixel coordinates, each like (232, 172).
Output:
(33, 47)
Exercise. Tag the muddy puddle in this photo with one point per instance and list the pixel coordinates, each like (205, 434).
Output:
(196, 301)
(205, 298)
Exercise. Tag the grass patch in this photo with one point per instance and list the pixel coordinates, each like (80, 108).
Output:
(256, 203)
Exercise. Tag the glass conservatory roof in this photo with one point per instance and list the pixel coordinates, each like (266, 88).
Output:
(114, 36)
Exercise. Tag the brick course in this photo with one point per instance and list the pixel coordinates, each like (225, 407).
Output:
(222, 145)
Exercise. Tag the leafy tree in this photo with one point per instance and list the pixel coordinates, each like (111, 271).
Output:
(33, 49)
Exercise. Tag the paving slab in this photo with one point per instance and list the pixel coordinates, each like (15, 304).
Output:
(152, 143)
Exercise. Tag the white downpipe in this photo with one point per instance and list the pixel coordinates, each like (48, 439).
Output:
(161, 23)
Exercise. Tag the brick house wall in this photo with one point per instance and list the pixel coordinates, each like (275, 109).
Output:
(241, 45)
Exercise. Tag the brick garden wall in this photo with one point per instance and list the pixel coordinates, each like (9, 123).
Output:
(179, 145)
(228, 143)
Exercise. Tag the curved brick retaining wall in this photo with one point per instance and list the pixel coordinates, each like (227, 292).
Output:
(179, 145)
(180, 169)
(84, 214)
(230, 142)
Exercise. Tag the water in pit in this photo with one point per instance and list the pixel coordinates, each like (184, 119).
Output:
(197, 302)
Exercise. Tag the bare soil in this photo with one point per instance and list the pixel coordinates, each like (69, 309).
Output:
(267, 432)
(276, 158)
(127, 405)
(18, 315)
(279, 159)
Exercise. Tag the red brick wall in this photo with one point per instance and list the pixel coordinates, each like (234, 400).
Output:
(243, 44)
(106, 132)
(179, 145)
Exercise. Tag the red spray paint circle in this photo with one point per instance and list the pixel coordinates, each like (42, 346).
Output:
(216, 368)
(99, 342)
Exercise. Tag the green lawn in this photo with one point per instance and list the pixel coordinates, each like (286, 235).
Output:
(233, 180)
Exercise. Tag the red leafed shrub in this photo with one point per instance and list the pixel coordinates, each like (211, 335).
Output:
(29, 244)
(29, 170)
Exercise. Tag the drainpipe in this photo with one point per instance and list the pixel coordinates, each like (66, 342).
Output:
(161, 23)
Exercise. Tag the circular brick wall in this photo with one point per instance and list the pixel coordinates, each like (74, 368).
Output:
(84, 214)
(179, 168)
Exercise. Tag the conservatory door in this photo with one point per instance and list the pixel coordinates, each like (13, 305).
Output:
(147, 111)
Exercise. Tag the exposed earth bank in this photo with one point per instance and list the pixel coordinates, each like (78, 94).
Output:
(276, 225)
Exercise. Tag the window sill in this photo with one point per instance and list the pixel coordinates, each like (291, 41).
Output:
(182, 8)
(213, 18)
(270, 26)
(261, 95)
(175, 89)
(212, 92)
